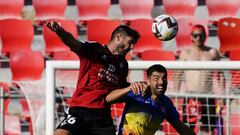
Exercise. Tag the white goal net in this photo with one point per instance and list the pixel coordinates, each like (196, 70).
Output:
(190, 104)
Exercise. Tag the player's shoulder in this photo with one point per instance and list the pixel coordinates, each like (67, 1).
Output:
(166, 99)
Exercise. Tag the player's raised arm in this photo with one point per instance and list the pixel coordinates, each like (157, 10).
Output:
(65, 36)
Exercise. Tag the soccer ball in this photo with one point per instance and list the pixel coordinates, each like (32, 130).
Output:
(165, 27)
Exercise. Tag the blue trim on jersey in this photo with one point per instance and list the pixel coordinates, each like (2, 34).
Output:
(138, 105)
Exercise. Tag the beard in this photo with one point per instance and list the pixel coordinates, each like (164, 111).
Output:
(121, 50)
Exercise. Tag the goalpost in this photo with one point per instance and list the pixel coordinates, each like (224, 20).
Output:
(51, 66)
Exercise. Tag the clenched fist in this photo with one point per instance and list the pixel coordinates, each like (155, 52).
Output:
(54, 26)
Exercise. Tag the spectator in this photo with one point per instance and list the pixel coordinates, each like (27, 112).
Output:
(199, 82)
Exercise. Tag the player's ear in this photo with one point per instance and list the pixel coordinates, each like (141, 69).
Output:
(119, 37)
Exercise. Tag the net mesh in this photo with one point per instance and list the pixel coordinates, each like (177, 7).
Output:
(35, 95)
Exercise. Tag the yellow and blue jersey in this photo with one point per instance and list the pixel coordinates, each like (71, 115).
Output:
(142, 115)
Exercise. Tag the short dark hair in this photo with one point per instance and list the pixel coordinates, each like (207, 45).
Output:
(156, 68)
(126, 30)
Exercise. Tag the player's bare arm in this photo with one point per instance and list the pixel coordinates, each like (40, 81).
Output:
(136, 87)
(65, 36)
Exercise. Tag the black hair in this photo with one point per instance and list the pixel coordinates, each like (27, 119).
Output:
(126, 30)
(156, 68)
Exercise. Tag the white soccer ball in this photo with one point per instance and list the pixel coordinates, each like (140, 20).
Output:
(165, 27)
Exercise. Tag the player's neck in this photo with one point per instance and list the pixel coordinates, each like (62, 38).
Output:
(111, 48)
(154, 98)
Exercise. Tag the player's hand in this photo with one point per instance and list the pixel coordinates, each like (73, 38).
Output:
(138, 87)
(54, 26)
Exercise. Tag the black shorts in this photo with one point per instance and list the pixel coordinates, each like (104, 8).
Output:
(84, 121)
(208, 113)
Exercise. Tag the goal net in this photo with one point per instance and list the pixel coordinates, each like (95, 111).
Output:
(208, 94)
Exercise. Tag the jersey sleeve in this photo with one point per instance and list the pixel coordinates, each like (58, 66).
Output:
(89, 50)
(172, 114)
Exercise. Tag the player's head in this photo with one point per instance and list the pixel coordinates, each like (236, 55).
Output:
(198, 34)
(124, 38)
(157, 79)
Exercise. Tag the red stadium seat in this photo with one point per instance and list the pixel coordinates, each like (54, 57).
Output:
(66, 76)
(53, 42)
(26, 65)
(147, 41)
(234, 56)
(65, 55)
(135, 9)
(16, 34)
(49, 9)
(228, 34)
(180, 8)
(235, 124)
(222, 8)
(100, 30)
(159, 55)
(11, 9)
(92, 9)
(12, 125)
(183, 38)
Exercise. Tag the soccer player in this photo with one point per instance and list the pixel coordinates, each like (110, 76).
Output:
(142, 115)
(102, 69)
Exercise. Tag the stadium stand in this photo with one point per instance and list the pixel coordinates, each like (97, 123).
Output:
(11, 9)
(92, 9)
(133, 9)
(26, 65)
(49, 9)
(147, 41)
(222, 8)
(52, 42)
(179, 8)
(228, 33)
(100, 29)
(12, 36)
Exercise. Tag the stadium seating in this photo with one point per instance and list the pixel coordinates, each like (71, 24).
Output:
(53, 42)
(16, 34)
(12, 125)
(100, 30)
(159, 55)
(49, 9)
(180, 8)
(11, 9)
(26, 65)
(222, 8)
(183, 38)
(147, 41)
(135, 9)
(92, 9)
(66, 76)
(228, 34)
(235, 122)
